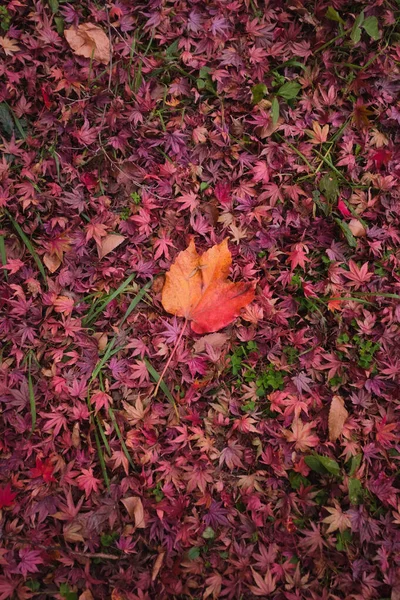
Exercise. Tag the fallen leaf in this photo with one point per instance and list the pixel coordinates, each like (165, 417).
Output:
(9, 46)
(102, 340)
(109, 243)
(157, 566)
(357, 228)
(76, 436)
(52, 262)
(72, 532)
(215, 340)
(117, 595)
(196, 287)
(89, 40)
(86, 595)
(337, 417)
(337, 519)
(134, 506)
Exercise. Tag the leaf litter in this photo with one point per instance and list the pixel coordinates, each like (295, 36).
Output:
(268, 465)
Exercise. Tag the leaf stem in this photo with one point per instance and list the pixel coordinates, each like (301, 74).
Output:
(170, 358)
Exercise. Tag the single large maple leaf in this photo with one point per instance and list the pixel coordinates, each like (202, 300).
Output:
(197, 288)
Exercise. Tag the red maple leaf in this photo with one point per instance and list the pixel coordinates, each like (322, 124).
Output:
(381, 157)
(357, 275)
(7, 497)
(43, 469)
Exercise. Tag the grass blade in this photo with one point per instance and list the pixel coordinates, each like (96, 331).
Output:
(93, 312)
(110, 346)
(156, 377)
(3, 255)
(32, 401)
(101, 460)
(121, 439)
(29, 245)
(136, 301)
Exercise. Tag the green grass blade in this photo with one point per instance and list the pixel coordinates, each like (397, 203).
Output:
(101, 460)
(155, 375)
(93, 312)
(104, 359)
(103, 436)
(32, 401)
(121, 439)
(110, 346)
(3, 255)
(136, 301)
(29, 245)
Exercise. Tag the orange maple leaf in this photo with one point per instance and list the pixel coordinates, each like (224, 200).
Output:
(197, 288)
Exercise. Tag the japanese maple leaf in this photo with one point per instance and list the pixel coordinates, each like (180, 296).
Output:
(88, 482)
(29, 559)
(43, 469)
(265, 586)
(298, 256)
(86, 135)
(213, 589)
(7, 497)
(319, 134)
(302, 435)
(197, 288)
(381, 157)
(337, 519)
(357, 275)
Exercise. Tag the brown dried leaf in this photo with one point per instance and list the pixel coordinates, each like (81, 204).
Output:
(157, 566)
(72, 532)
(215, 340)
(102, 340)
(357, 228)
(89, 40)
(134, 506)
(52, 262)
(86, 595)
(337, 417)
(76, 436)
(109, 243)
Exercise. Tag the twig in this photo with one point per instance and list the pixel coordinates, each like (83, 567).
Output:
(22, 540)
(169, 360)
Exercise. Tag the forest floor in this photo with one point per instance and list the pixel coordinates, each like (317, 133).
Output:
(267, 464)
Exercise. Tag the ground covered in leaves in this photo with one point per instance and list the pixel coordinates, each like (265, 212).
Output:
(267, 465)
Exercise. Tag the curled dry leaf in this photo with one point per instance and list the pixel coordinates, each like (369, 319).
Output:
(337, 417)
(157, 566)
(109, 243)
(134, 506)
(357, 228)
(197, 288)
(102, 340)
(90, 41)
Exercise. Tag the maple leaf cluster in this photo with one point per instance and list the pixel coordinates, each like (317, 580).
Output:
(232, 165)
